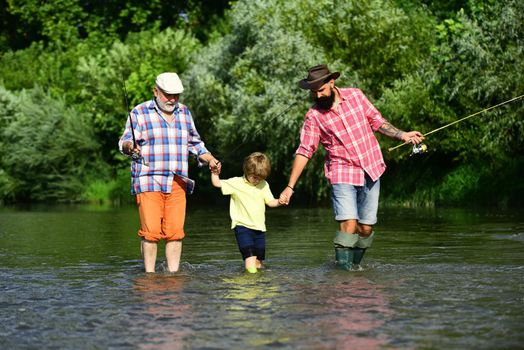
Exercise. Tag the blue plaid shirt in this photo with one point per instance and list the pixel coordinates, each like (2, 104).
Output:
(164, 146)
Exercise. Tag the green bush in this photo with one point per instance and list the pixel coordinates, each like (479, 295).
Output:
(48, 148)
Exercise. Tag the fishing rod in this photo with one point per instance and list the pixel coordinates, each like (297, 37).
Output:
(421, 148)
(137, 157)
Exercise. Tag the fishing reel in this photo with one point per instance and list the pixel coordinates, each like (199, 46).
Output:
(419, 149)
(137, 157)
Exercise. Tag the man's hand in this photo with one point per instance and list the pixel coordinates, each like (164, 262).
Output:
(215, 166)
(285, 196)
(413, 137)
(127, 148)
(283, 200)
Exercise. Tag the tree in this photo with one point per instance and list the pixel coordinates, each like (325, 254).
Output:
(48, 150)
(63, 22)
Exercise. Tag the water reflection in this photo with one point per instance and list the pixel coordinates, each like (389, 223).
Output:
(165, 311)
(343, 310)
(250, 309)
(358, 308)
(246, 292)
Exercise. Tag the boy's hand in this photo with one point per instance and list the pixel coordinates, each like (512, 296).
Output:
(283, 200)
(215, 179)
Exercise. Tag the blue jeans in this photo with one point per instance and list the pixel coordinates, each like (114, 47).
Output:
(251, 242)
(356, 202)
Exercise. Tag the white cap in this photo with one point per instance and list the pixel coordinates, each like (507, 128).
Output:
(170, 83)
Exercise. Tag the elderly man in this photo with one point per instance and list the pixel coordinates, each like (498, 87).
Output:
(160, 135)
(344, 121)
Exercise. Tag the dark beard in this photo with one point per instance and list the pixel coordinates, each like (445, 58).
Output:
(326, 102)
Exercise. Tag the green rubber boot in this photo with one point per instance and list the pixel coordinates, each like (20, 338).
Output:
(344, 239)
(358, 254)
(361, 246)
(344, 258)
(344, 243)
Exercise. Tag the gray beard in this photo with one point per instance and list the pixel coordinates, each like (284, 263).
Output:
(168, 108)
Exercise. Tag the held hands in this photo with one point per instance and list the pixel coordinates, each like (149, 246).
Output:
(413, 137)
(285, 196)
(215, 166)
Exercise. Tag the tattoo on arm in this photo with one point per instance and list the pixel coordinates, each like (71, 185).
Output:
(390, 131)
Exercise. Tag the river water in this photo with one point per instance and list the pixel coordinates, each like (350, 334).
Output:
(72, 278)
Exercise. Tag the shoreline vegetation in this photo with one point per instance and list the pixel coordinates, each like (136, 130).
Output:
(423, 64)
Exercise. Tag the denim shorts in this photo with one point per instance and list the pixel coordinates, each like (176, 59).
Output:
(251, 242)
(356, 202)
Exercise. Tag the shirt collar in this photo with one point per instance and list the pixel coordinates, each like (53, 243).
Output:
(342, 96)
(249, 183)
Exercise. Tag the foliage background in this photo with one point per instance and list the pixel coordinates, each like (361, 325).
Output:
(423, 64)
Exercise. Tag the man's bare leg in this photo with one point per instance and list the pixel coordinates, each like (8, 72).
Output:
(364, 230)
(349, 226)
(149, 250)
(173, 253)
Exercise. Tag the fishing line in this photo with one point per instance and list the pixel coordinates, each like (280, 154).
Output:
(259, 129)
(458, 121)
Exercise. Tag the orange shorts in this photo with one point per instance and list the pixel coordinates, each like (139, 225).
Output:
(162, 215)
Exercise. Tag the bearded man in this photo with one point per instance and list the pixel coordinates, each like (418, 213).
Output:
(159, 136)
(344, 121)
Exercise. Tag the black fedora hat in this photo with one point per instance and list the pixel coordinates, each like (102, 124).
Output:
(317, 76)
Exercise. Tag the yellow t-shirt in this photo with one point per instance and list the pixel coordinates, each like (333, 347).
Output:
(248, 202)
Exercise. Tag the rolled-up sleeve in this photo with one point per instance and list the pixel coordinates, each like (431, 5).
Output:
(372, 114)
(309, 137)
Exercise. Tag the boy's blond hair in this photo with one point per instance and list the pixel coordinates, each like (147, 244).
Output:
(257, 164)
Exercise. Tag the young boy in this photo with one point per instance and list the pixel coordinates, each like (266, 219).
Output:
(249, 196)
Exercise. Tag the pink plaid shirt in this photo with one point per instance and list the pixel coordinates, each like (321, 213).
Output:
(346, 132)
